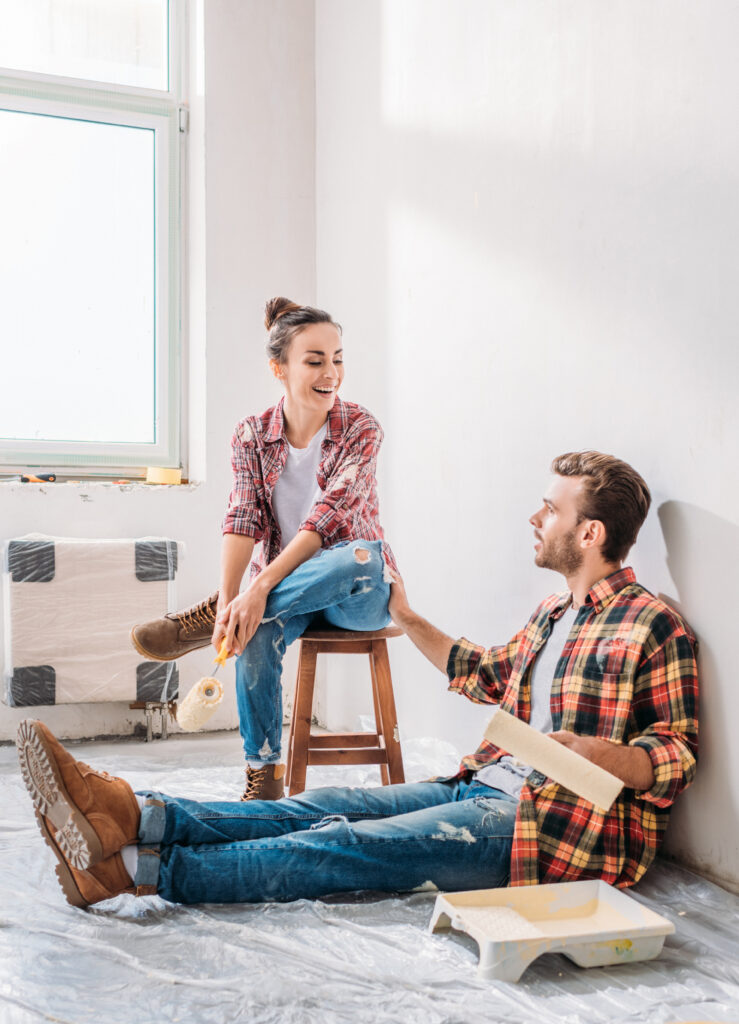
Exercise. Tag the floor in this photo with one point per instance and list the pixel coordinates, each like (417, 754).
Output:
(362, 959)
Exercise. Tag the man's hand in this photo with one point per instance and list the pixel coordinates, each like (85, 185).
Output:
(430, 641)
(632, 765)
(240, 619)
(398, 606)
(587, 746)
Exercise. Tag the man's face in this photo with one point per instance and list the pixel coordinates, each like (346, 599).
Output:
(555, 526)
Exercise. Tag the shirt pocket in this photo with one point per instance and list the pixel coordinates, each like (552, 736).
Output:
(607, 673)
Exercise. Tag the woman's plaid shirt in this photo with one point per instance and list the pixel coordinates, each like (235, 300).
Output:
(627, 674)
(348, 508)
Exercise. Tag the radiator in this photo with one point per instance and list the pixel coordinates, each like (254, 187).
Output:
(69, 608)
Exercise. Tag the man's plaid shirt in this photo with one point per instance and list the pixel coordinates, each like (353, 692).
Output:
(627, 674)
(348, 508)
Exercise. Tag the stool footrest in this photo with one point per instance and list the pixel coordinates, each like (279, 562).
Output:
(344, 739)
(352, 755)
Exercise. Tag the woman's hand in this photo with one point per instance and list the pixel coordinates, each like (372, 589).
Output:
(240, 619)
(219, 630)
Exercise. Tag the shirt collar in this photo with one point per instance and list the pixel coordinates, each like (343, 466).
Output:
(603, 592)
(336, 426)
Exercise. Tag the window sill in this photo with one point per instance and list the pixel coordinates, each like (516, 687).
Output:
(81, 485)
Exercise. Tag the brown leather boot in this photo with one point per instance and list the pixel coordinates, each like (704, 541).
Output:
(90, 814)
(103, 881)
(267, 783)
(177, 633)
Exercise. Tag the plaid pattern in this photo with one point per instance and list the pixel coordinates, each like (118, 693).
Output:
(627, 674)
(348, 508)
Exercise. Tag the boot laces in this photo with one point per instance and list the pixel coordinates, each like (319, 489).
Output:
(255, 779)
(200, 616)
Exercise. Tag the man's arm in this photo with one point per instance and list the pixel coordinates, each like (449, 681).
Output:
(430, 641)
(479, 673)
(632, 765)
(659, 760)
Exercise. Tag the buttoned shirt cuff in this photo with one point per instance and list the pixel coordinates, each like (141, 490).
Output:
(670, 775)
(327, 525)
(464, 658)
(231, 524)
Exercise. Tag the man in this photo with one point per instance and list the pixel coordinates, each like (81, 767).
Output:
(605, 667)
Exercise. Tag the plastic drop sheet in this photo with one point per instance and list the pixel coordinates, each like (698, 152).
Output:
(365, 958)
(69, 607)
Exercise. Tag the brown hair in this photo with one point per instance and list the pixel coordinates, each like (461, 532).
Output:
(613, 493)
(284, 319)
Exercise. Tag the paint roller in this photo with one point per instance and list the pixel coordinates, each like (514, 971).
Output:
(203, 698)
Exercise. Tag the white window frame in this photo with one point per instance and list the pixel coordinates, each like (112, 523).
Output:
(163, 112)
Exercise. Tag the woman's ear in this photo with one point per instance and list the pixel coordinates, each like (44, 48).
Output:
(276, 368)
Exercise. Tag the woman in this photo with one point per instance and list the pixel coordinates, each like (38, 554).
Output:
(304, 486)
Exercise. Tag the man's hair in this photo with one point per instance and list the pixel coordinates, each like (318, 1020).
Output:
(613, 493)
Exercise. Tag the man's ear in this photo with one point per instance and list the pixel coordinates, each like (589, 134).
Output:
(593, 535)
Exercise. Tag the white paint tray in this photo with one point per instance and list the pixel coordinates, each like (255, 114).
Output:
(590, 922)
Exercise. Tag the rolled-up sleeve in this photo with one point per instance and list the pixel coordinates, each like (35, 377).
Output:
(351, 483)
(481, 674)
(665, 708)
(244, 513)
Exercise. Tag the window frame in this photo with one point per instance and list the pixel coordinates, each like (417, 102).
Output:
(164, 113)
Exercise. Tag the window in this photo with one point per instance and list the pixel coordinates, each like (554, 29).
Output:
(90, 156)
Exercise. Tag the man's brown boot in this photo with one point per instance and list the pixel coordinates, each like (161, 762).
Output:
(267, 783)
(103, 881)
(85, 814)
(177, 633)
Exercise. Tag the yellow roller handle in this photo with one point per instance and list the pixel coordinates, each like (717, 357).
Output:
(223, 655)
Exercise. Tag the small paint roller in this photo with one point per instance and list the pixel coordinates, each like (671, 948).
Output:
(203, 698)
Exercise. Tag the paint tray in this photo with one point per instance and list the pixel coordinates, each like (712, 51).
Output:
(590, 922)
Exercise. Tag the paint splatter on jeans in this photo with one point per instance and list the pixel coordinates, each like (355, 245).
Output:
(448, 835)
(345, 585)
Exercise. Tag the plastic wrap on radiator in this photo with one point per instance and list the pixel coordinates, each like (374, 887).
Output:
(69, 607)
(338, 961)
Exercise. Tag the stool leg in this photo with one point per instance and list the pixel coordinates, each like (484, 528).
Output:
(291, 733)
(302, 714)
(388, 713)
(384, 776)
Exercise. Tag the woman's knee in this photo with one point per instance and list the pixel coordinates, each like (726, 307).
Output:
(359, 555)
(267, 643)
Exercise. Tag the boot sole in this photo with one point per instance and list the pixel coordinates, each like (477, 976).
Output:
(150, 656)
(74, 835)
(64, 876)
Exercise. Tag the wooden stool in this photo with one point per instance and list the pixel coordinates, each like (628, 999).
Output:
(381, 747)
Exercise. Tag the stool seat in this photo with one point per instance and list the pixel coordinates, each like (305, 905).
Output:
(351, 635)
(380, 747)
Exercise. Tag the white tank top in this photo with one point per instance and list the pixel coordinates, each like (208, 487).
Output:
(297, 490)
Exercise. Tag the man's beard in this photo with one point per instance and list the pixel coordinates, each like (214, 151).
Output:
(562, 555)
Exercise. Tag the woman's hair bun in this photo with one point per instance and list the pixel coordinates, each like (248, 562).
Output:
(276, 308)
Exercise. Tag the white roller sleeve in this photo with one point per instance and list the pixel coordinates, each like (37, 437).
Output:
(200, 703)
(571, 770)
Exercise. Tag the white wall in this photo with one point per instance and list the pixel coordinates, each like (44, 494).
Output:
(527, 219)
(251, 220)
(524, 215)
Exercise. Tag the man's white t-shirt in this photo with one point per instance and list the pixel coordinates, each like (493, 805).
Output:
(297, 490)
(508, 774)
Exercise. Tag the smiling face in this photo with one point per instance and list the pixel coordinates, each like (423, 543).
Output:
(314, 369)
(557, 527)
